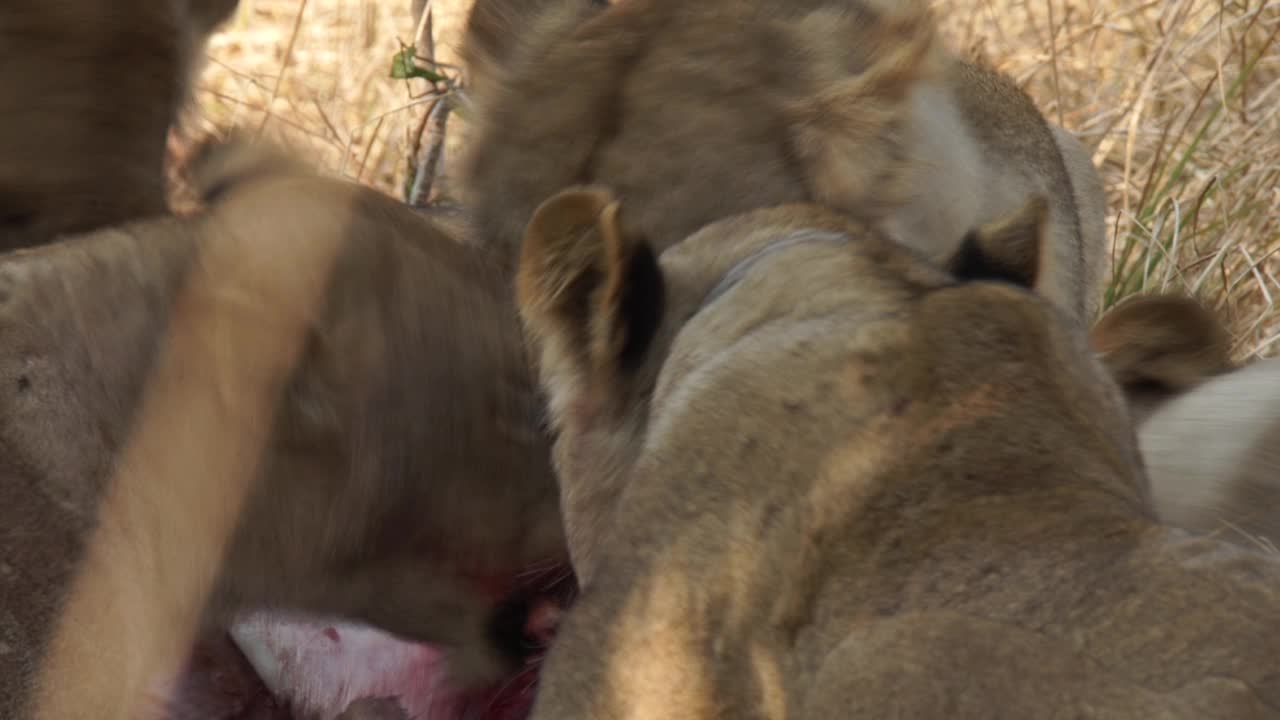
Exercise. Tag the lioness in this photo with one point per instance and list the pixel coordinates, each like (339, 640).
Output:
(88, 89)
(1209, 430)
(694, 111)
(406, 481)
(807, 473)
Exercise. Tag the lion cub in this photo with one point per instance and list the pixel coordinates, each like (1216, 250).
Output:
(809, 474)
(88, 89)
(1209, 431)
(694, 111)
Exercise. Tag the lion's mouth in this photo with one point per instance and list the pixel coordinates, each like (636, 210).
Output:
(274, 667)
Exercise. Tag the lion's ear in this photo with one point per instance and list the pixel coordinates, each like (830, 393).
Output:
(488, 36)
(1008, 249)
(495, 27)
(843, 131)
(584, 282)
(1166, 342)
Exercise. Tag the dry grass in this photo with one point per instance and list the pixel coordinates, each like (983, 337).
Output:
(1180, 98)
(315, 74)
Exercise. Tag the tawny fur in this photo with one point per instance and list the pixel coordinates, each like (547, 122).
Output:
(90, 89)
(1209, 431)
(1158, 346)
(852, 105)
(835, 480)
(406, 466)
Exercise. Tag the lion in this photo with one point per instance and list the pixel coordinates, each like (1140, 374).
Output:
(204, 416)
(405, 481)
(90, 89)
(807, 472)
(853, 105)
(376, 502)
(1209, 429)
(428, 512)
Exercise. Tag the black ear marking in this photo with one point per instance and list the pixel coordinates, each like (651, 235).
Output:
(641, 306)
(576, 309)
(972, 263)
(1008, 249)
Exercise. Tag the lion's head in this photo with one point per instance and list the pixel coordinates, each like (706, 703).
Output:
(685, 119)
(761, 319)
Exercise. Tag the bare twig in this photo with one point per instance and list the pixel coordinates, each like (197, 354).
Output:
(423, 182)
(1053, 61)
(284, 67)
